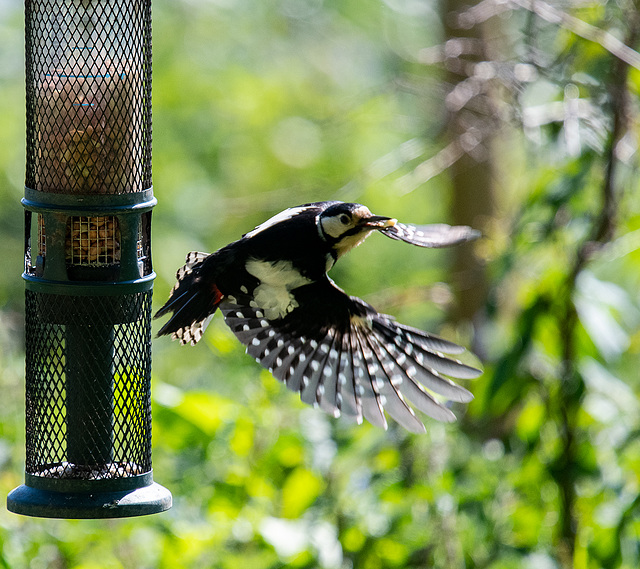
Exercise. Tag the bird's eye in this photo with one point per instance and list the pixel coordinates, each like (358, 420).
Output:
(344, 219)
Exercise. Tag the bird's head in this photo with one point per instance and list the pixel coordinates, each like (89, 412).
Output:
(346, 225)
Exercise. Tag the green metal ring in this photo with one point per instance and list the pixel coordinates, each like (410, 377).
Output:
(78, 485)
(88, 288)
(100, 204)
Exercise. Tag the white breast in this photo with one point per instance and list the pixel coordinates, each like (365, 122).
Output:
(277, 280)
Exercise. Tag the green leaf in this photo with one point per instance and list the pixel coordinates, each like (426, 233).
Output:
(299, 491)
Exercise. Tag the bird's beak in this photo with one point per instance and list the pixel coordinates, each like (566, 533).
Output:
(378, 222)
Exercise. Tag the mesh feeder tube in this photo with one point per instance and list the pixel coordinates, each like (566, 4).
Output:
(88, 272)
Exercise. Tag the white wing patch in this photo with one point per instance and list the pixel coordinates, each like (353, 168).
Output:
(282, 216)
(277, 280)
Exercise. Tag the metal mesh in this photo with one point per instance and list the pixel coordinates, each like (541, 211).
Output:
(88, 385)
(90, 241)
(93, 240)
(88, 87)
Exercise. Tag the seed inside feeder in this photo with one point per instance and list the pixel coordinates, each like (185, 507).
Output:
(93, 240)
(86, 140)
(82, 472)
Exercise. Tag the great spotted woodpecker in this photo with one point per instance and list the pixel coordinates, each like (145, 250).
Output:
(335, 350)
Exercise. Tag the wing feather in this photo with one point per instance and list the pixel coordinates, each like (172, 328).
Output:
(295, 373)
(348, 399)
(404, 381)
(424, 339)
(344, 357)
(366, 387)
(327, 395)
(313, 376)
(382, 373)
(434, 236)
(428, 365)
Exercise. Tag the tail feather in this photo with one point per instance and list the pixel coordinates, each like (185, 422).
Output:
(193, 302)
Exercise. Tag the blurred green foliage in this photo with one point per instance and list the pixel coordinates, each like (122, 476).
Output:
(262, 105)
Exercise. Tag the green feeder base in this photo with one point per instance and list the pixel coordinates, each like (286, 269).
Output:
(89, 499)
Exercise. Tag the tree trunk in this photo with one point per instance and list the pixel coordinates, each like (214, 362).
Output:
(471, 125)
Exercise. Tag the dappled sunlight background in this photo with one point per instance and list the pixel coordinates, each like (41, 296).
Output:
(498, 116)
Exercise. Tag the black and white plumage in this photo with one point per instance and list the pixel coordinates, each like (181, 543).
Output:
(273, 290)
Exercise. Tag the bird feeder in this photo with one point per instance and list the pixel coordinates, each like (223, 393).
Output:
(88, 271)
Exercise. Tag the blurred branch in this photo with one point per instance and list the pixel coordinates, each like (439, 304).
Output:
(489, 8)
(473, 119)
(566, 397)
(572, 388)
(619, 95)
(612, 44)
(431, 167)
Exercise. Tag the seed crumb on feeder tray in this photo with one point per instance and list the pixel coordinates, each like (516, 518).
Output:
(85, 129)
(81, 472)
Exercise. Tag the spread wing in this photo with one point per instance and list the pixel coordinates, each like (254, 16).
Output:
(436, 235)
(340, 354)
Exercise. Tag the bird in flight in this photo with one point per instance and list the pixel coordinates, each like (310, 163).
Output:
(336, 350)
